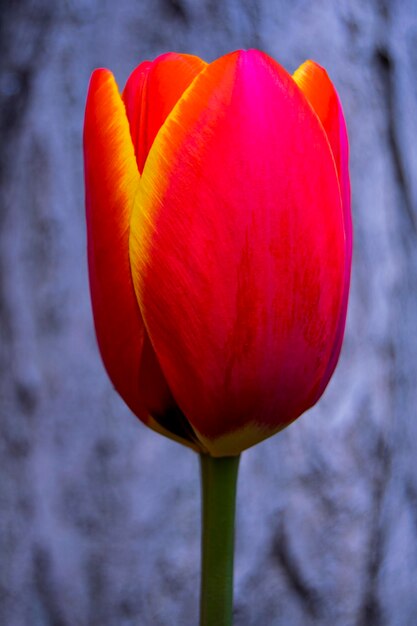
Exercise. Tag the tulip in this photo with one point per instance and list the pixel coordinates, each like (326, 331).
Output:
(219, 243)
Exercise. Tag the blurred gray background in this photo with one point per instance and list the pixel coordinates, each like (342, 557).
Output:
(99, 517)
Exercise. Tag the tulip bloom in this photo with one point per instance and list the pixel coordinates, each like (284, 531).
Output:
(219, 242)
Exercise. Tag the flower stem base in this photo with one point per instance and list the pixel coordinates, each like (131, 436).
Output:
(218, 481)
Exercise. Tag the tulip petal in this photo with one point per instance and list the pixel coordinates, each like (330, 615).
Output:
(237, 260)
(150, 94)
(316, 85)
(112, 182)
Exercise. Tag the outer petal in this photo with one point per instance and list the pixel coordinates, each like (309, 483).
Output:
(112, 182)
(316, 85)
(151, 93)
(237, 260)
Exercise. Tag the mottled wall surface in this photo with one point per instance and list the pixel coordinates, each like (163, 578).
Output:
(99, 517)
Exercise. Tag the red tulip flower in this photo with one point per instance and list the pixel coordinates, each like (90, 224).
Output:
(219, 250)
(219, 242)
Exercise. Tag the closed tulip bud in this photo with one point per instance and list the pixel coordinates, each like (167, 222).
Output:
(219, 242)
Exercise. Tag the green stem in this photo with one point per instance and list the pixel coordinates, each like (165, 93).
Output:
(218, 481)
